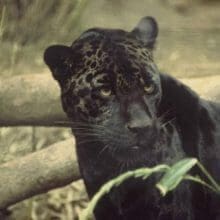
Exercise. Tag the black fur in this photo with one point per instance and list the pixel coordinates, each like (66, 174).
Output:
(126, 114)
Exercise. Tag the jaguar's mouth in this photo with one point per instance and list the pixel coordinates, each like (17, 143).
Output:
(139, 153)
(130, 154)
(135, 148)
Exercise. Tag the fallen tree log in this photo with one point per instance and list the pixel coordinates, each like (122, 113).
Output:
(36, 173)
(35, 99)
(30, 100)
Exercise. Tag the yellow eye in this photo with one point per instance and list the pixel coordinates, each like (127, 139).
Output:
(149, 88)
(105, 92)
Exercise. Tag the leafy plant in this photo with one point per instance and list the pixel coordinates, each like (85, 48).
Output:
(173, 176)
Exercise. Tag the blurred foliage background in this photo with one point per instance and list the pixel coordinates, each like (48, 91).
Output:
(188, 46)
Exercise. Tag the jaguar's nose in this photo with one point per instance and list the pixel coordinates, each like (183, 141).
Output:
(138, 118)
(138, 127)
(145, 134)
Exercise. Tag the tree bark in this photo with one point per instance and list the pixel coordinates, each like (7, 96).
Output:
(38, 172)
(30, 100)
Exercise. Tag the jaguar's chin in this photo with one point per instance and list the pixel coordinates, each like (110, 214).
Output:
(136, 150)
(136, 156)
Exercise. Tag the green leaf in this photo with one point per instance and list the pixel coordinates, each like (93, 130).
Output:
(175, 175)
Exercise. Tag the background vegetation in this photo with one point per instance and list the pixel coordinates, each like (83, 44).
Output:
(188, 46)
(28, 26)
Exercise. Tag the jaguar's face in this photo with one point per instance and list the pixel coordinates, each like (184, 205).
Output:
(111, 89)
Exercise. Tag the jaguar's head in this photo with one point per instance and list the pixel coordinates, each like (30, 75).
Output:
(110, 88)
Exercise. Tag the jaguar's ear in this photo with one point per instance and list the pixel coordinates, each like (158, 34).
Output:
(58, 58)
(146, 31)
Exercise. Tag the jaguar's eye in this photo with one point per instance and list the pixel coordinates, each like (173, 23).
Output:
(105, 92)
(149, 88)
